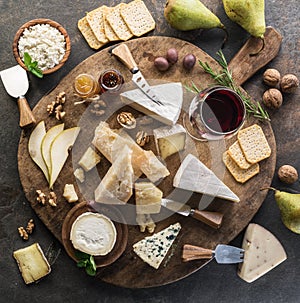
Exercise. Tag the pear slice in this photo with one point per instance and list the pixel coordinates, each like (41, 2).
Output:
(59, 151)
(47, 141)
(34, 147)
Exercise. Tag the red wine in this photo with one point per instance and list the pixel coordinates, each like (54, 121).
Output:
(222, 111)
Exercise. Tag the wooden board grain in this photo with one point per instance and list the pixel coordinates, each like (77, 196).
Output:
(129, 270)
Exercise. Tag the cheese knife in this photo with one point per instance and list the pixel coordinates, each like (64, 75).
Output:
(16, 85)
(224, 254)
(213, 219)
(123, 53)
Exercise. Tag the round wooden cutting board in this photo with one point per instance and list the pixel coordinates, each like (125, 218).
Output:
(129, 270)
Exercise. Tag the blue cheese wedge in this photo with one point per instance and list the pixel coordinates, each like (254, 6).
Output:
(153, 249)
(263, 252)
(193, 175)
(93, 234)
(170, 94)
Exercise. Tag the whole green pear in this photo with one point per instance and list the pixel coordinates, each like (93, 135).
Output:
(249, 14)
(187, 15)
(289, 206)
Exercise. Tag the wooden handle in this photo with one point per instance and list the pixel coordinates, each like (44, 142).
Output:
(211, 218)
(26, 116)
(191, 252)
(123, 53)
(244, 64)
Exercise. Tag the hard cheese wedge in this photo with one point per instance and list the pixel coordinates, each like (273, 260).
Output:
(170, 94)
(262, 253)
(193, 175)
(32, 263)
(109, 143)
(153, 249)
(169, 139)
(116, 186)
(147, 198)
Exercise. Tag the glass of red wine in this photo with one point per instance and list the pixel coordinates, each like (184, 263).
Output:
(215, 113)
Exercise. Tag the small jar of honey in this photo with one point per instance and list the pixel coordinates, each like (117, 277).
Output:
(86, 86)
(111, 80)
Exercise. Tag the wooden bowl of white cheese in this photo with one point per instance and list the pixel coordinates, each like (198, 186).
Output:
(102, 234)
(46, 41)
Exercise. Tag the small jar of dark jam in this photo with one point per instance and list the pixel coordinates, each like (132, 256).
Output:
(111, 80)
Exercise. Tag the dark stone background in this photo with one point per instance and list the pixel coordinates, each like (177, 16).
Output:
(213, 283)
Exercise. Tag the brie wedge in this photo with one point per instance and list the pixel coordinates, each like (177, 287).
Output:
(153, 249)
(263, 252)
(170, 94)
(93, 234)
(193, 175)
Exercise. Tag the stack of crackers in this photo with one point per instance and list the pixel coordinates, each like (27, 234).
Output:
(243, 156)
(119, 23)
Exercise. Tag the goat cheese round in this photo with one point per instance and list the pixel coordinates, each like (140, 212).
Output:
(44, 43)
(93, 233)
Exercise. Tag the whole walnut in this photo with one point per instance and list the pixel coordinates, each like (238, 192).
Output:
(271, 77)
(272, 98)
(287, 174)
(289, 83)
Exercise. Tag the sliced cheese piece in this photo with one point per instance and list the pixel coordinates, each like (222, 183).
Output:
(147, 198)
(32, 263)
(89, 159)
(70, 193)
(170, 94)
(169, 139)
(263, 252)
(153, 249)
(110, 142)
(93, 234)
(193, 175)
(116, 186)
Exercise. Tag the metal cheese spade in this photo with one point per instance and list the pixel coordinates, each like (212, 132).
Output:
(16, 85)
(224, 254)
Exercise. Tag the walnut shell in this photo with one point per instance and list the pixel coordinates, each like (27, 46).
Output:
(271, 77)
(287, 174)
(289, 83)
(272, 98)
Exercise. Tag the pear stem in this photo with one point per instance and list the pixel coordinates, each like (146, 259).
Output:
(225, 38)
(272, 188)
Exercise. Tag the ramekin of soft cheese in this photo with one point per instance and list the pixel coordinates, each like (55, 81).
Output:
(44, 43)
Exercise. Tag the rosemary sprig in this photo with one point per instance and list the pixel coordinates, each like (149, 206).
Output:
(224, 78)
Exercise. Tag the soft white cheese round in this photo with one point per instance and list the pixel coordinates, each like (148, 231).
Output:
(93, 233)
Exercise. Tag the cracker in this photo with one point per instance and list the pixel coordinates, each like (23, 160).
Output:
(108, 30)
(238, 156)
(88, 34)
(137, 17)
(254, 143)
(239, 174)
(118, 24)
(95, 20)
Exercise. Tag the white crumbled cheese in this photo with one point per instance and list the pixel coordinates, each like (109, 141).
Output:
(44, 43)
